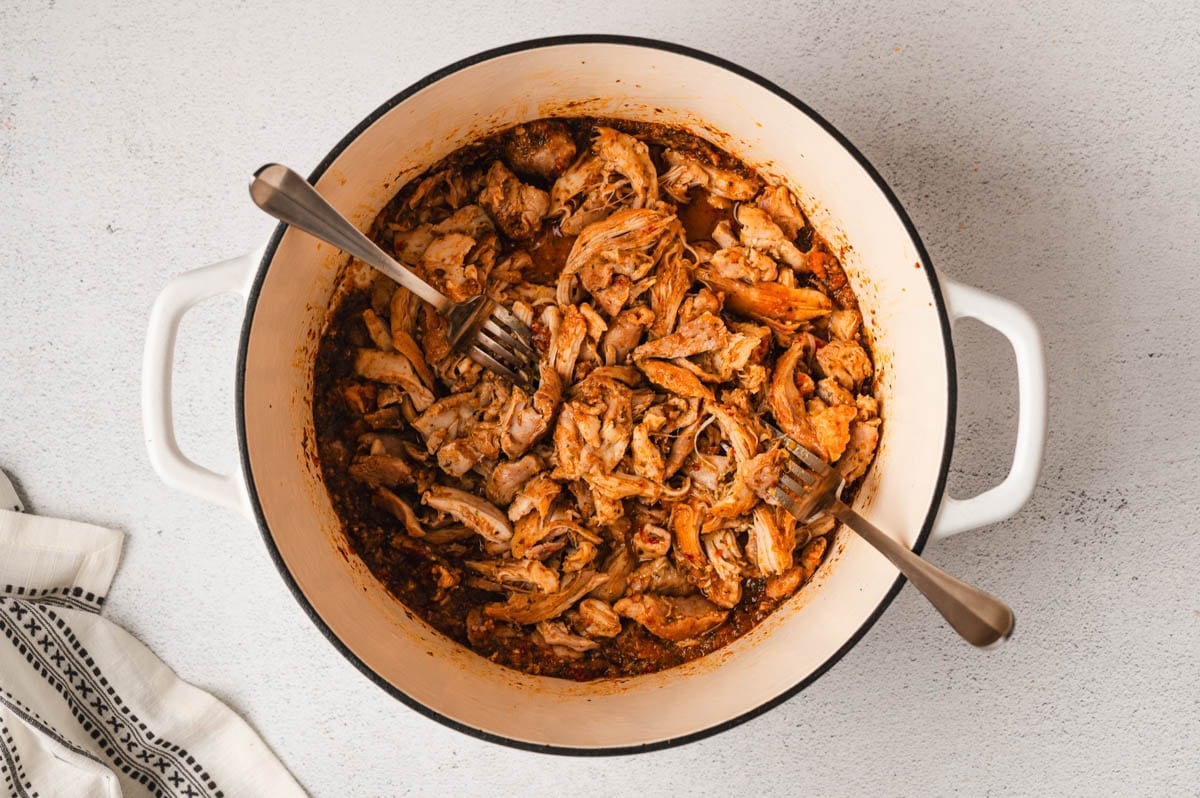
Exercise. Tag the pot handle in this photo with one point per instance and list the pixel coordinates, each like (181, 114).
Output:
(180, 295)
(1011, 321)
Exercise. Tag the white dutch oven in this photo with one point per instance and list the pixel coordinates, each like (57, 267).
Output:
(288, 288)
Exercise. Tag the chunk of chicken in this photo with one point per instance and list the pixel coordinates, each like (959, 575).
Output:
(555, 635)
(785, 584)
(759, 231)
(770, 302)
(702, 334)
(831, 392)
(686, 171)
(444, 265)
(595, 618)
(398, 507)
(659, 576)
(783, 209)
(617, 568)
(864, 437)
(479, 514)
(517, 207)
(647, 458)
(844, 324)
(535, 496)
(675, 379)
(507, 478)
(622, 243)
(567, 341)
(787, 404)
(525, 419)
(651, 541)
(768, 546)
(458, 457)
(519, 575)
(395, 369)
(624, 333)
(671, 285)
(724, 585)
(630, 157)
(832, 426)
(740, 263)
(531, 608)
(443, 420)
(845, 361)
(381, 470)
(541, 149)
(673, 619)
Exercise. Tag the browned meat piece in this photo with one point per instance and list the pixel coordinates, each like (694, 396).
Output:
(403, 511)
(444, 264)
(675, 379)
(760, 232)
(673, 619)
(659, 576)
(785, 584)
(702, 334)
(534, 607)
(864, 437)
(380, 335)
(787, 404)
(831, 392)
(477, 513)
(671, 285)
(541, 149)
(845, 361)
(393, 368)
(517, 207)
(685, 172)
(521, 575)
(617, 568)
(507, 478)
(564, 644)
(624, 243)
(783, 209)
(769, 547)
(595, 618)
(832, 426)
(443, 420)
(844, 324)
(384, 470)
(568, 339)
(770, 302)
(647, 459)
(624, 333)
(740, 263)
(525, 419)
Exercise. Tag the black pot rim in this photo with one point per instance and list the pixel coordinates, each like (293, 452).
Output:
(926, 527)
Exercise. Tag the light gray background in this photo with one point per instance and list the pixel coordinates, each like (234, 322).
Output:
(1048, 155)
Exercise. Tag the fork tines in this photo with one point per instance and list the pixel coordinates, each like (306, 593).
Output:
(800, 488)
(504, 344)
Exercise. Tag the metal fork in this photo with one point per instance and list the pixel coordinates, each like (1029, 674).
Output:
(487, 332)
(809, 484)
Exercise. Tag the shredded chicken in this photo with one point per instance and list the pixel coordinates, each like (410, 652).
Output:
(618, 507)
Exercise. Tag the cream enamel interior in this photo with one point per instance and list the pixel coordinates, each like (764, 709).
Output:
(634, 82)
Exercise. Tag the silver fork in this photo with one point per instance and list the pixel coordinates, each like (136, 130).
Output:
(809, 484)
(487, 332)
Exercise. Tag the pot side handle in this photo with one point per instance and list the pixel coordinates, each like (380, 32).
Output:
(1015, 324)
(168, 461)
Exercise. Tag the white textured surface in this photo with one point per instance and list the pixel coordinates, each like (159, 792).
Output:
(1048, 155)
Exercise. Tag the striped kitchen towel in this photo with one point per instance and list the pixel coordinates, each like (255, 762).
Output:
(85, 708)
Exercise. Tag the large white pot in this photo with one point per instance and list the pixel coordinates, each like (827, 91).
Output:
(908, 309)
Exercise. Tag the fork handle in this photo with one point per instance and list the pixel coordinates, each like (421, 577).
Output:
(289, 198)
(980, 618)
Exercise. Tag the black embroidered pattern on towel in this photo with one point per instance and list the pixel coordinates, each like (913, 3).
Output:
(75, 598)
(31, 719)
(51, 648)
(10, 766)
